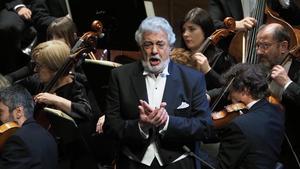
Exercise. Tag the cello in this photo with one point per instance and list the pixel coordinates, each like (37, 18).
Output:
(79, 52)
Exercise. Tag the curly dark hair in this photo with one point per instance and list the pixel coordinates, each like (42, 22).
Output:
(248, 77)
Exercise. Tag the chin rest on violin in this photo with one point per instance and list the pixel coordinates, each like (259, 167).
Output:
(6, 130)
(226, 115)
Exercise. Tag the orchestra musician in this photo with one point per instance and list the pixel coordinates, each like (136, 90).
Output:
(62, 28)
(243, 11)
(196, 27)
(31, 146)
(253, 139)
(154, 104)
(67, 95)
(272, 45)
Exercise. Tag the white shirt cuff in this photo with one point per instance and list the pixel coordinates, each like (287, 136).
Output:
(145, 134)
(287, 84)
(162, 131)
(19, 6)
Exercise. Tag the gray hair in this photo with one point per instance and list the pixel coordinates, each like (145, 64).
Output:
(155, 24)
(14, 96)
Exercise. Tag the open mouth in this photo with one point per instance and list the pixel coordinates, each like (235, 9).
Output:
(154, 61)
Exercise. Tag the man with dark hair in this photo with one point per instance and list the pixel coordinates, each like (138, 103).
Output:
(16, 17)
(253, 139)
(31, 146)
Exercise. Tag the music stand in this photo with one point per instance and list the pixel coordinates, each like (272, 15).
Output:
(98, 73)
(62, 125)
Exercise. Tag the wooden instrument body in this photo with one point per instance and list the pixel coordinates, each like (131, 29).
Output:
(6, 130)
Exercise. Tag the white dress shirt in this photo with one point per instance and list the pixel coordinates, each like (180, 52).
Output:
(155, 90)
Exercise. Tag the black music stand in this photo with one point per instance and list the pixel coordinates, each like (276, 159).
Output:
(62, 125)
(98, 73)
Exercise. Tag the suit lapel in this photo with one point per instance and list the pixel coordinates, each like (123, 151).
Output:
(139, 84)
(294, 71)
(258, 105)
(171, 88)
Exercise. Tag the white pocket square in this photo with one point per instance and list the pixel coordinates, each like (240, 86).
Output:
(183, 105)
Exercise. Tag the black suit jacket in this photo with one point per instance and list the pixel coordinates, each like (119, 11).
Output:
(291, 103)
(220, 9)
(252, 140)
(127, 86)
(31, 147)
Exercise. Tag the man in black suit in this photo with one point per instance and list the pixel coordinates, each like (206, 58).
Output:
(252, 140)
(155, 106)
(31, 146)
(15, 17)
(272, 46)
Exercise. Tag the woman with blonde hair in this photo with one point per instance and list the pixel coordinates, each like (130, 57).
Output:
(67, 95)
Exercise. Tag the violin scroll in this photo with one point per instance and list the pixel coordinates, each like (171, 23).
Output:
(222, 33)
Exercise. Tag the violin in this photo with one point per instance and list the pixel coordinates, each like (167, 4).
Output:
(225, 116)
(183, 56)
(216, 36)
(6, 130)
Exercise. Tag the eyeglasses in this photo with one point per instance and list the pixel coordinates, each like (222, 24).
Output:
(37, 65)
(264, 46)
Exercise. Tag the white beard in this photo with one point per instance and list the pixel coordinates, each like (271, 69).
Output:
(155, 69)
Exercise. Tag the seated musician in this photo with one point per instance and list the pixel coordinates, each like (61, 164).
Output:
(251, 140)
(243, 10)
(272, 46)
(31, 146)
(62, 28)
(196, 27)
(67, 95)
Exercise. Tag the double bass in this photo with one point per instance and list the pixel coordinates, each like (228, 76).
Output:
(242, 46)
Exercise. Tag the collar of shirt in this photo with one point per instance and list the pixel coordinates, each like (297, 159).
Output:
(162, 74)
(249, 105)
